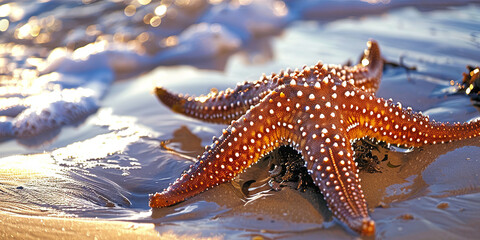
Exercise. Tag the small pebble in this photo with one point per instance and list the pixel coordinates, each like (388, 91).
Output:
(406, 216)
(443, 205)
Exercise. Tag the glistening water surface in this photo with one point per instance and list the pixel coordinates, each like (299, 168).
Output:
(112, 143)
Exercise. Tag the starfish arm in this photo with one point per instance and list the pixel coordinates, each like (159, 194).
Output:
(228, 105)
(368, 72)
(244, 142)
(285, 117)
(367, 115)
(330, 162)
(223, 106)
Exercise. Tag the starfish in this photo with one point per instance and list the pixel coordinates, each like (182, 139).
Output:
(319, 111)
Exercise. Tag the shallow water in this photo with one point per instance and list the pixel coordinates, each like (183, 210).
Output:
(105, 162)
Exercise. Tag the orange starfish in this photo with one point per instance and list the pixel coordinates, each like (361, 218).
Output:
(319, 111)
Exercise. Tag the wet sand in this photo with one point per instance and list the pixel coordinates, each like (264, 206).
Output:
(28, 227)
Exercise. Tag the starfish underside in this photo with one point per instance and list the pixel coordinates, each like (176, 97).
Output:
(319, 111)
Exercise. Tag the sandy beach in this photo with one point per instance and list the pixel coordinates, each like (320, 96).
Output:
(28, 227)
